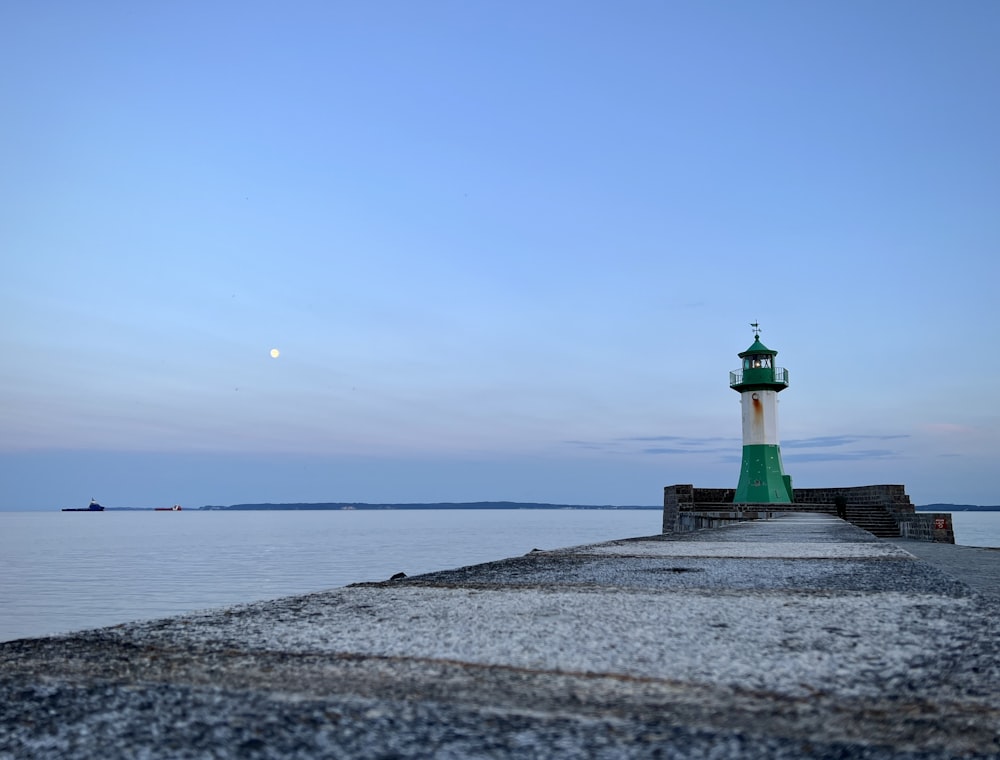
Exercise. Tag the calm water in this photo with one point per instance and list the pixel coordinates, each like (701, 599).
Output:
(69, 571)
(976, 528)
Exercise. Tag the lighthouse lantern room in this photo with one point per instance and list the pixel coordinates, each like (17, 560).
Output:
(758, 381)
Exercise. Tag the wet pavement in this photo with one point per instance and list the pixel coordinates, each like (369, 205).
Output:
(802, 636)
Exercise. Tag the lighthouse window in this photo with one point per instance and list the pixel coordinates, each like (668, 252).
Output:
(757, 362)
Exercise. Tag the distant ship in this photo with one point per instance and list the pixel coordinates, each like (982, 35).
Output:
(175, 508)
(94, 507)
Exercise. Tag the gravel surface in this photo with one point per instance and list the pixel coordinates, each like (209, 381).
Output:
(796, 637)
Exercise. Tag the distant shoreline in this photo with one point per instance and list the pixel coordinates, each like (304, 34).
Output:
(955, 508)
(357, 505)
(482, 505)
(441, 505)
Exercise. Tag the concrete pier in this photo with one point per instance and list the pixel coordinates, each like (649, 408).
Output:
(802, 636)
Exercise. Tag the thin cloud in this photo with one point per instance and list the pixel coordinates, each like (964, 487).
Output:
(690, 449)
(675, 444)
(828, 441)
(598, 445)
(729, 450)
(663, 450)
(948, 427)
(841, 456)
(688, 440)
(680, 444)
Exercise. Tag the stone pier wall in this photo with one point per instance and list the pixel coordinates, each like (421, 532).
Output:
(928, 526)
(688, 521)
(890, 497)
(886, 502)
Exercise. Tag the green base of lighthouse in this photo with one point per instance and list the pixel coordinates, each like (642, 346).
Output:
(762, 478)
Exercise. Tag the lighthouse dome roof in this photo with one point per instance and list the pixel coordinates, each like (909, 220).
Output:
(757, 348)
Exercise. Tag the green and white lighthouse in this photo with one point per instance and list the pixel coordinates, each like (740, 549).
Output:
(759, 381)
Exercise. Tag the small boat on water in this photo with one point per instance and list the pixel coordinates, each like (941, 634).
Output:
(175, 508)
(94, 507)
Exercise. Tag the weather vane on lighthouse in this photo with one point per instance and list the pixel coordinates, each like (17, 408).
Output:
(758, 381)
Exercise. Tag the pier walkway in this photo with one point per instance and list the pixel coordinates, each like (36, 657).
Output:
(977, 566)
(803, 636)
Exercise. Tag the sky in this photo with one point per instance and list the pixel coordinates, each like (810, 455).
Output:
(505, 250)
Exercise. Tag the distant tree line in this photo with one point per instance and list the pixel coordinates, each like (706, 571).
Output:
(956, 508)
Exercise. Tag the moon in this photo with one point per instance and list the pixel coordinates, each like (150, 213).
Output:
(275, 353)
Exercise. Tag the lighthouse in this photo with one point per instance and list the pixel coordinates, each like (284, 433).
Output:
(759, 381)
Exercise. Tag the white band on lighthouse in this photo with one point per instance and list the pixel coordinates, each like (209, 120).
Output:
(760, 417)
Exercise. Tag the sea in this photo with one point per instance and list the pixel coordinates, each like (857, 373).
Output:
(70, 571)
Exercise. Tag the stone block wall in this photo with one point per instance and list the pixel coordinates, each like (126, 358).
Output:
(927, 526)
(880, 505)
(890, 497)
(688, 521)
(714, 495)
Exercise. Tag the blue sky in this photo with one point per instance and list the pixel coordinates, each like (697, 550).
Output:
(506, 250)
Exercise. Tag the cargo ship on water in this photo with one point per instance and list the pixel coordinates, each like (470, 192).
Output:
(94, 507)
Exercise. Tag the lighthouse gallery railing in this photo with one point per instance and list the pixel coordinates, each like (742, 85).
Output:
(780, 376)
